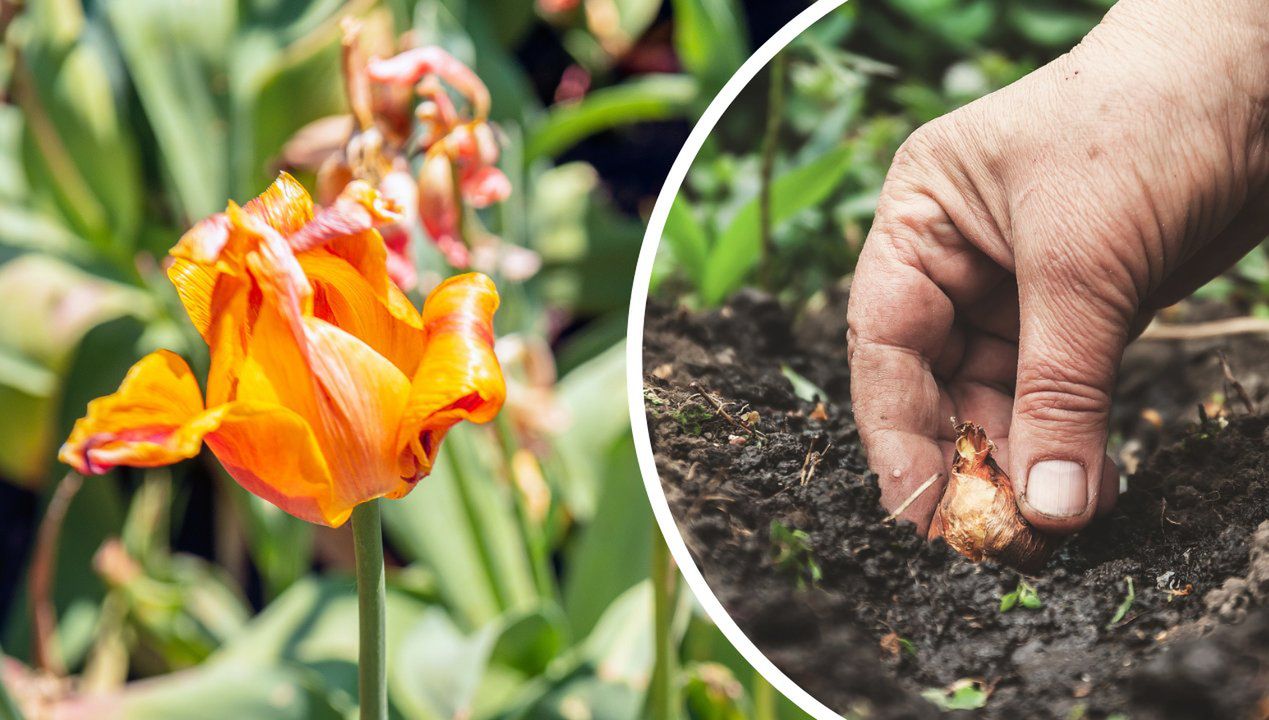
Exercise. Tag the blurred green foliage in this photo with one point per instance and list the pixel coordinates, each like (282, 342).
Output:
(819, 127)
(519, 584)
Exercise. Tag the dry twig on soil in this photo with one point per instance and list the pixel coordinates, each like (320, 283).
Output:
(720, 407)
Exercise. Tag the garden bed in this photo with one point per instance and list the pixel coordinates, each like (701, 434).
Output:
(782, 515)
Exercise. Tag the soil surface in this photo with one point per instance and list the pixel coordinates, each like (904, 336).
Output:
(782, 515)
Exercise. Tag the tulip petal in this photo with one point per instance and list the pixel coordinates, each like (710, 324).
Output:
(194, 268)
(285, 206)
(365, 397)
(389, 324)
(216, 246)
(350, 395)
(141, 423)
(411, 66)
(273, 453)
(157, 418)
(459, 377)
(485, 186)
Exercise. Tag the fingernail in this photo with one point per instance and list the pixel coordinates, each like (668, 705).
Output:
(1058, 488)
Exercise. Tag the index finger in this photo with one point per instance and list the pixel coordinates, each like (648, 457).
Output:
(914, 270)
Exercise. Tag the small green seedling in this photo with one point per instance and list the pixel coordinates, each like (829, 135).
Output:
(964, 694)
(1124, 606)
(691, 417)
(793, 554)
(804, 389)
(1024, 595)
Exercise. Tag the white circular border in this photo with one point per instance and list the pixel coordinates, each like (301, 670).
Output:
(634, 359)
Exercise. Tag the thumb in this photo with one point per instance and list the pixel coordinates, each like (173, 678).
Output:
(1071, 339)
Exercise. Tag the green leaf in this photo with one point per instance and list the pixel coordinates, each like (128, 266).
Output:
(1050, 25)
(278, 90)
(961, 695)
(47, 307)
(622, 528)
(711, 40)
(651, 97)
(803, 388)
(461, 524)
(79, 148)
(621, 645)
(687, 240)
(281, 544)
(260, 693)
(442, 672)
(739, 247)
(310, 625)
(1008, 601)
(1124, 606)
(582, 446)
(436, 672)
(25, 230)
(185, 93)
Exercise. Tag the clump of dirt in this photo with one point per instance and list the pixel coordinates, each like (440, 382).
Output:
(775, 501)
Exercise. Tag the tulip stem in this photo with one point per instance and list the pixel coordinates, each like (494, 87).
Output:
(371, 674)
(663, 701)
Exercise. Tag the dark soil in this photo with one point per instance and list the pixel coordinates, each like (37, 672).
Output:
(1193, 644)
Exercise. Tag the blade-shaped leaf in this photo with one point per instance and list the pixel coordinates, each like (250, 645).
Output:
(652, 97)
(739, 247)
(687, 239)
(461, 524)
(711, 40)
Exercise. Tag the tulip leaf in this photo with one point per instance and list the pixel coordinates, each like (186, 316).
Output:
(79, 149)
(281, 545)
(436, 672)
(622, 526)
(213, 693)
(606, 677)
(460, 523)
(309, 626)
(739, 247)
(651, 97)
(442, 672)
(582, 445)
(184, 95)
(710, 38)
(687, 239)
(279, 90)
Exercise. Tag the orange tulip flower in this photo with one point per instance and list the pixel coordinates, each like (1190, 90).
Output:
(327, 388)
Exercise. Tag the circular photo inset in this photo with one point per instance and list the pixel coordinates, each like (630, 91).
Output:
(950, 356)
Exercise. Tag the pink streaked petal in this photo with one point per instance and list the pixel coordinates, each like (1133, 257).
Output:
(400, 260)
(357, 209)
(411, 66)
(485, 186)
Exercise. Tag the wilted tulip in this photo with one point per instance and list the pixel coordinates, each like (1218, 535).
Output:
(327, 388)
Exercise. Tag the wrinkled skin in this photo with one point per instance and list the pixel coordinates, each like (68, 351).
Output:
(1021, 241)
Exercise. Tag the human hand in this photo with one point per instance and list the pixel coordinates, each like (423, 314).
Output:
(1021, 241)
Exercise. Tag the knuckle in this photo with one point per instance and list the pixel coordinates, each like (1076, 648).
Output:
(1088, 278)
(1057, 393)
